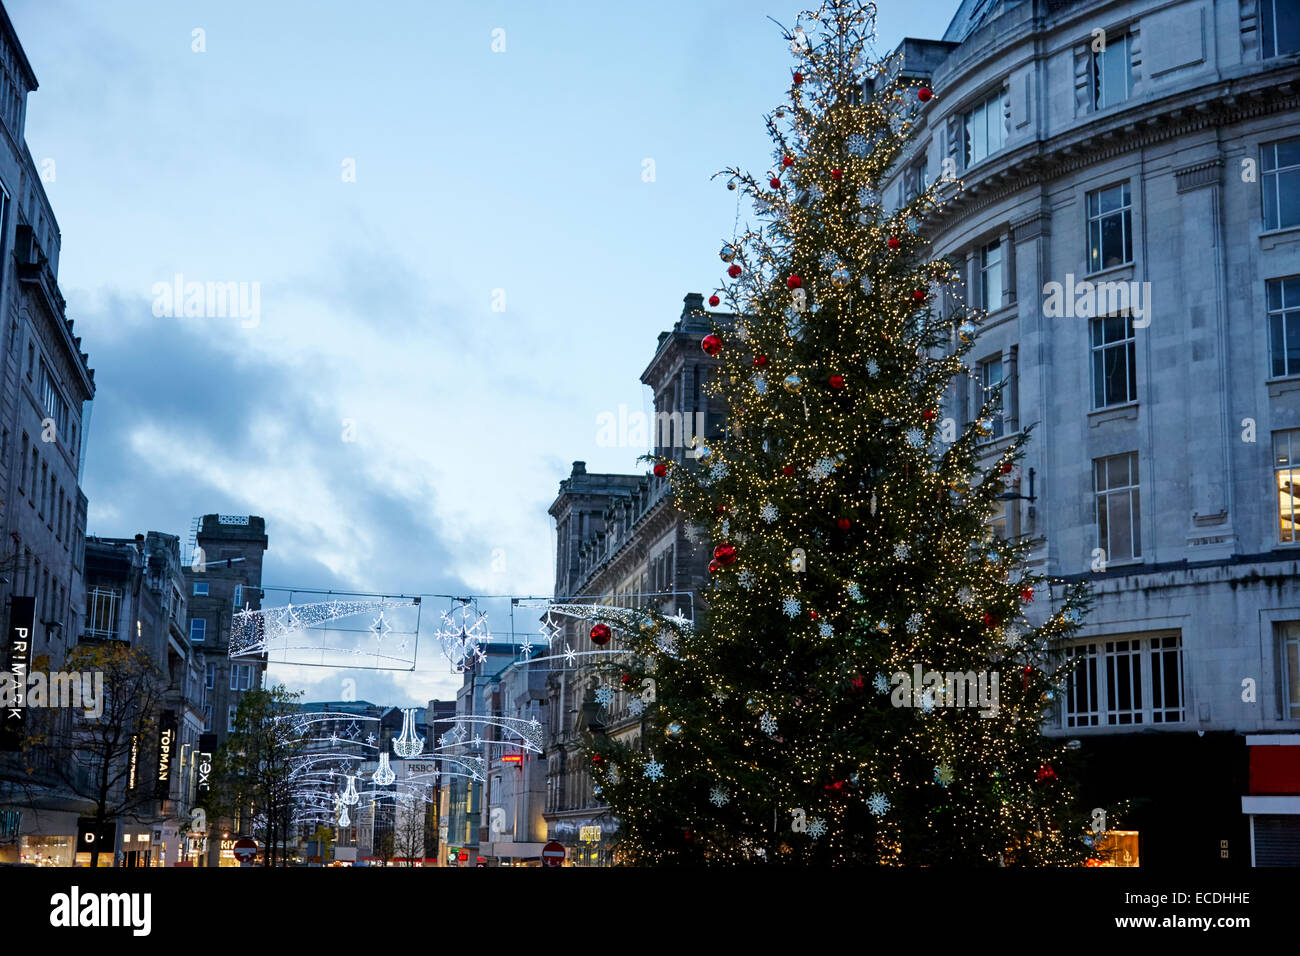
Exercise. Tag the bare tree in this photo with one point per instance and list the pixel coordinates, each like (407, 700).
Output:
(409, 828)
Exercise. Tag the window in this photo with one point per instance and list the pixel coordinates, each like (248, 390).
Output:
(31, 358)
(1283, 297)
(990, 378)
(1289, 654)
(36, 463)
(207, 718)
(997, 523)
(210, 675)
(985, 131)
(1114, 361)
(53, 403)
(1286, 449)
(1119, 515)
(1112, 77)
(1280, 182)
(1110, 227)
(200, 588)
(101, 612)
(915, 179)
(22, 477)
(1279, 27)
(990, 265)
(230, 717)
(1125, 682)
(198, 630)
(238, 600)
(45, 487)
(241, 676)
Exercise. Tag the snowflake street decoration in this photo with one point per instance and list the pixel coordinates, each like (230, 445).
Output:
(866, 289)
(654, 770)
(825, 629)
(855, 592)
(914, 623)
(943, 775)
(816, 827)
(881, 683)
(760, 383)
(857, 144)
(464, 636)
(915, 437)
(822, 470)
(867, 196)
(745, 579)
(666, 643)
(1011, 635)
(815, 192)
(878, 804)
(965, 596)
(829, 261)
(873, 367)
(768, 723)
(635, 706)
(790, 606)
(253, 632)
(902, 552)
(719, 797)
(768, 512)
(726, 527)
(604, 695)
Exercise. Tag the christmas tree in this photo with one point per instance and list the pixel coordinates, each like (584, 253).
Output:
(870, 677)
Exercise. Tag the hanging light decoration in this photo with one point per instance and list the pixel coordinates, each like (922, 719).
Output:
(384, 775)
(344, 820)
(408, 744)
(350, 796)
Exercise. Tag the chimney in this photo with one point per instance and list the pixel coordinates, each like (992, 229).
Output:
(139, 542)
(579, 468)
(693, 303)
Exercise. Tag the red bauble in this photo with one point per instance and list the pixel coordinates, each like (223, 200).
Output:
(928, 414)
(844, 524)
(1027, 595)
(989, 619)
(1006, 468)
(893, 242)
(1046, 773)
(857, 682)
(714, 300)
(774, 183)
(798, 78)
(787, 161)
(722, 509)
(918, 294)
(788, 471)
(733, 271)
(924, 94)
(812, 614)
(660, 469)
(760, 360)
(600, 634)
(711, 344)
(627, 678)
(836, 174)
(726, 553)
(714, 566)
(597, 758)
(837, 382)
(793, 282)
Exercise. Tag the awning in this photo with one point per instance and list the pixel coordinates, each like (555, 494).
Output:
(513, 850)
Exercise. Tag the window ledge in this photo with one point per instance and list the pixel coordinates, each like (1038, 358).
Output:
(1108, 271)
(1280, 386)
(1275, 237)
(1113, 413)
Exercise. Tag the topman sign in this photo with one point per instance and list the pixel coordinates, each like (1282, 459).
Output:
(166, 754)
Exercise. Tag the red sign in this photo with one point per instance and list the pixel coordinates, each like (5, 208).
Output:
(463, 856)
(553, 854)
(245, 850)
(512, 758)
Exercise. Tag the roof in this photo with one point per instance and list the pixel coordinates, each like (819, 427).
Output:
(973, 14)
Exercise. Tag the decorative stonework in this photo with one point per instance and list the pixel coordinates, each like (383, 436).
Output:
(1207, 173)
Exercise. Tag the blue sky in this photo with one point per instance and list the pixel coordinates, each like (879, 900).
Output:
(478, 175)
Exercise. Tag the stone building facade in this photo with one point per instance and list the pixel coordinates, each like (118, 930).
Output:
(1154, 145)
(620, 541)
(46, 384)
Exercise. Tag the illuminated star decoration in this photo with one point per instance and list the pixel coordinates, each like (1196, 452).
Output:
(570, 656)
(380, 627)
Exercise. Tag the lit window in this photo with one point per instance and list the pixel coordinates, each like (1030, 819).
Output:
(1280, 183)
(1110, 227)
(1118, 507)
(1286, 448)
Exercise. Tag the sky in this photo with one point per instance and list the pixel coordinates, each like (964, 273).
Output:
(465, 224)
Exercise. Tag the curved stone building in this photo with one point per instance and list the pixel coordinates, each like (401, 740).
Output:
(1128, 215)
